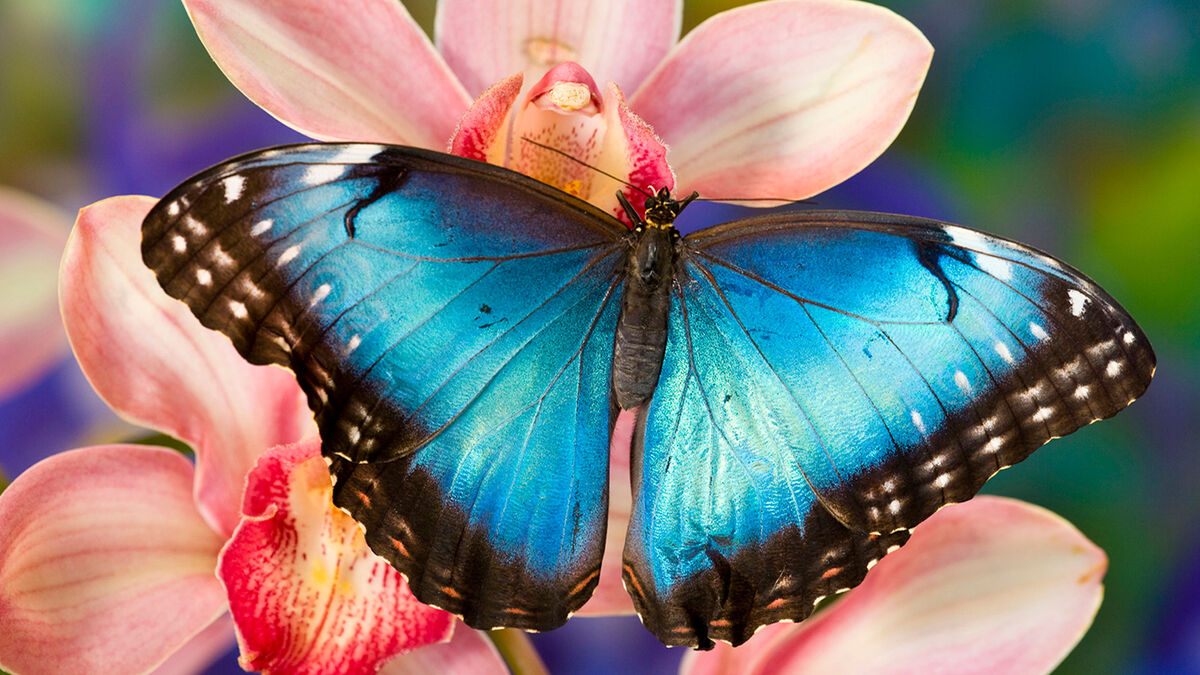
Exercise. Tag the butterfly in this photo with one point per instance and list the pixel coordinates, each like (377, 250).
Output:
(808, 385)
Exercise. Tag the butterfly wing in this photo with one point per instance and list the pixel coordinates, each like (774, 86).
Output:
(451, 324)
(832, 379)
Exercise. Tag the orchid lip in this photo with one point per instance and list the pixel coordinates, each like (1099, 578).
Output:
(569, 76)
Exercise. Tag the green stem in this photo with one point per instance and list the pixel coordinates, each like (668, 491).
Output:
(517, 651)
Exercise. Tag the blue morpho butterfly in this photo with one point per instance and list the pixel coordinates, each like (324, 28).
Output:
(811, 384)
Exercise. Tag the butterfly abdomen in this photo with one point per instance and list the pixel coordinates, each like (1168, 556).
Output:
(642, 327)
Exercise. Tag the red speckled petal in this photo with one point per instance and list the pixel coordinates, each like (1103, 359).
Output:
(306, 593)
(482, 133)
(632, 149)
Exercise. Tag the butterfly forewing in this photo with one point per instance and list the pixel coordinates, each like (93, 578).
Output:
(452, 326)
(832, 379)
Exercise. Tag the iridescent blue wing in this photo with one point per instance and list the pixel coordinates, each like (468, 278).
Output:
(832, 379)
(452, 325)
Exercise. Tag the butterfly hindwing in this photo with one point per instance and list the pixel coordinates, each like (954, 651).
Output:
(832, 379)
(452, 327)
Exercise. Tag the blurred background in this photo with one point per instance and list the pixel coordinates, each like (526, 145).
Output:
(1072, 125)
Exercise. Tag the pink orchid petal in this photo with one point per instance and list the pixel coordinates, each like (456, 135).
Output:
(631, 149)
(619, 41)
(482, 133)
(106, 566)
(202, 650)
(992, 585)
(469, 652)
(150, 359)
(32, 236)
(359, 70)
(306, 593)
(784, 99)
(610, 596)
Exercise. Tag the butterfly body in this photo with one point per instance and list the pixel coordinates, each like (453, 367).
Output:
(642, 325)
(809, 385)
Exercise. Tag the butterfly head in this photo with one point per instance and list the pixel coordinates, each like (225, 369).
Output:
(662, 210)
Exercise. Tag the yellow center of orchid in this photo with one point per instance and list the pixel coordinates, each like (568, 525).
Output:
(570, 96)
(341, 541)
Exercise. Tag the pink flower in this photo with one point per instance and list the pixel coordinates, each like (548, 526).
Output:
(987, 586)
(774, 99)
(32, 235)
(110, 551)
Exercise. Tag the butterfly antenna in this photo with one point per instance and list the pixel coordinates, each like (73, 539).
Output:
(779, 201)
(571, 157)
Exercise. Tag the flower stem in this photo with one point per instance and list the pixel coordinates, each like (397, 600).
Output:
(517, 651)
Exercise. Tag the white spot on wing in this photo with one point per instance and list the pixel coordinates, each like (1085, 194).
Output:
(322, 173)
(993, 445)
(355, 341)
(179, 243)
(203, 277)
(1038, 332)
(1043, 414)
(221, 257)
(918, 422)
(261, 227)
(960, 378)
(978, 242)
(1001, 269)
(1099, 350)
(194, 226)
(1113, 369)
(1002, 350)
(1129, 338)
(173, 209)
(289, 254)
(320, 294)
(238, 309)
(234, 186)
(1078, 302)
(358, 153)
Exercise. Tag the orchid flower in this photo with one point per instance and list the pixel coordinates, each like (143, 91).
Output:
(775, 99)
(120, 557)
(32, 236)
(991, 585)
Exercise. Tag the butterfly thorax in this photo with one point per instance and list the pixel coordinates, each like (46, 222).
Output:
(642, 327)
